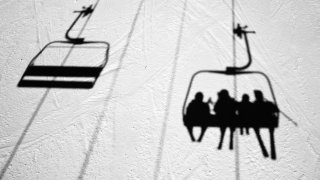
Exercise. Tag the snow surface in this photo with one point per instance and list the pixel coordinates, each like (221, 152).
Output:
(129, 126)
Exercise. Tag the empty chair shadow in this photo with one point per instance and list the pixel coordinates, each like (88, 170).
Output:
(46, 76)
(39, 71)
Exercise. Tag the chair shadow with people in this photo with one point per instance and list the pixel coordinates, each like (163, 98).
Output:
(231, 114)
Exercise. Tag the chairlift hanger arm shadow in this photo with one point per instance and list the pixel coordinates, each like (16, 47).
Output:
(84, 12)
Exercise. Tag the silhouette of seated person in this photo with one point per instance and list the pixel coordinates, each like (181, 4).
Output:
(244, 113)
(265, 115)
(198, 114)
(225, 109)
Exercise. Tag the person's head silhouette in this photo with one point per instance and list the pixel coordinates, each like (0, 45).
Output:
(199, 96)
(245, 98)
(224, 94)
(258, 94)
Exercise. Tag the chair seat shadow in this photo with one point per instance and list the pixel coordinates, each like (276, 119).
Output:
(75, 72)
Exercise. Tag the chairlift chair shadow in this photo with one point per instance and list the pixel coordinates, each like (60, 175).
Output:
(236, 72)
(56, 71)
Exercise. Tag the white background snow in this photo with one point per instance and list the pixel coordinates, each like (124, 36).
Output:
(129, 125)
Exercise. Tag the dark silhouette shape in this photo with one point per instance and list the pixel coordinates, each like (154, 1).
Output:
(84, 12)
(239, 31)
(244, 113)
(267, 113)
(198, 113)
(66, 71)
(225, 110)
(231, 114)
(259, 117)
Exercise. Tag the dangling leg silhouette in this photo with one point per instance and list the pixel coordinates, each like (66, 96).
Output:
(241, 130)
(203, 130)
(272, 144)
(247, 130)
(263, 148)
(222, 132)
(232, 129)
(190, 130)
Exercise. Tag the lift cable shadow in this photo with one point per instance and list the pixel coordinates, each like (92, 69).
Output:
(169, 96)
(16, 147)
(97, 129)
(234, 54)
(35, 113)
